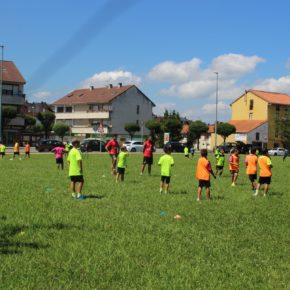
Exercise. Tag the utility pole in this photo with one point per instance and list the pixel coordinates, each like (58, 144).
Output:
(216, 109)
(1, 89)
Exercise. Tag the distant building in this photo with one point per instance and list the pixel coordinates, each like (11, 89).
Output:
(13, 95)
(107, 107)
(34, 108)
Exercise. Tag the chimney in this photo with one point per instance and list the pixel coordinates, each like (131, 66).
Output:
(110, 86)
(92, 88)
(120, 85)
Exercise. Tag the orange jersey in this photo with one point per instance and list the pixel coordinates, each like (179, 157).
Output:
(27, 148)
(265, 165)
(234, 162)
(251, 163)
(16, 147)
(203, 169)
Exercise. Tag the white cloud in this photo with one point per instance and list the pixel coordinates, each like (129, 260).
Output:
(175, 72)
(187, 80)
(41, 95)
(210, 109)
(111, 77)
(280, 85)
(161, 107)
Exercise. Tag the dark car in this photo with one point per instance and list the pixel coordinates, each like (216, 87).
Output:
(241, 146)
(176, 146)
(48, 145)
(89, 145)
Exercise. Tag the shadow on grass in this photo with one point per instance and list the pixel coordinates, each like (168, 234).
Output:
(178, 192)
(275, 193)
(8, 247)
(217, 197)
(95, 196)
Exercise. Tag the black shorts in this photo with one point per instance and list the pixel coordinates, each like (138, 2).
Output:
(2, 153)
(186, 155)
(16, 153)
(165, 179)
(148, 160)
(234, 171)
(203, 183)
(252, 177)
(219, 167)
(264, 180)
(59, 161)
(114, 156)
(77, 178)
(121, 170)
(27, 153)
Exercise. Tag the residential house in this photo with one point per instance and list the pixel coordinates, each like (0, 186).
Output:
(13, 95)
(105, 109)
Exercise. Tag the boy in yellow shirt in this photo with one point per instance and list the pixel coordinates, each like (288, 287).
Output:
(2, 150)
(122, 163)
(165, 162)
(75, 170)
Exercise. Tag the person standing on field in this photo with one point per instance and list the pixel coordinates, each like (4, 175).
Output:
(186, 151)
(266, 166)
(220, 162)
(2, 150)
(148, 149)
(16, 149)
(27, 150)
(112, 148)
(234, 163)
(203, 172)
(122, 163)
(59, 151)
(75, 170)
(251, 165)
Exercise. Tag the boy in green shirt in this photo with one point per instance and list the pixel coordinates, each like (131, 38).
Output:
(220, 162)
(186, 151)
(75, 169)
(122, 163)
(2, 150)
(166, 162)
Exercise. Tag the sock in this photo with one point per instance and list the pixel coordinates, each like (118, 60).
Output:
(160, 190)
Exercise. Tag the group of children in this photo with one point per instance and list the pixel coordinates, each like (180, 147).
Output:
(16, 150)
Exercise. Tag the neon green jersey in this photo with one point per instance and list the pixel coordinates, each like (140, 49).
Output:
(2, 148)
(166, 161)
(74, 157)
(185, 150)
(220, 160)
(122, 159)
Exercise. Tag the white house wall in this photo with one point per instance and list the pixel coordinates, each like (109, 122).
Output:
(263, 130)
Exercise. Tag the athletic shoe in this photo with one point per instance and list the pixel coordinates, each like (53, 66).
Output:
(73, 195)
(198, 199)
(233, 184)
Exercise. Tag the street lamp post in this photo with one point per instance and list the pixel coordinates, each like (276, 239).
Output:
(1, 89)
(216, 109)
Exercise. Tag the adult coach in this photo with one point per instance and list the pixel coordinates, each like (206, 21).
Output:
(112, 148)
(148, 149)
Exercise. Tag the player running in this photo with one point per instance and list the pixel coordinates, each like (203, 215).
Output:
(112, 148)
(234, 163)
(148, 149)
(251, 165)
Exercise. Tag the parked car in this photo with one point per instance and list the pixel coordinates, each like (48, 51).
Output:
(92, 144)
(277, 151)
(241, 146)
(176, 146)
(134, 146)
(48, 145)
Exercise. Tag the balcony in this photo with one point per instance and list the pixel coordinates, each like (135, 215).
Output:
(13, 100)
(82, 115)
(87, 130)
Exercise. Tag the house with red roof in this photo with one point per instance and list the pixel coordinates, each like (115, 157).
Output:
(104, 110)
(13, 95)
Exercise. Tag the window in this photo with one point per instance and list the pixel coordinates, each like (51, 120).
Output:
(277, 107)
(138, 109)
(257, 136)
(59, 110)
(137, 122)
(68, 109)
(251, 104)
(251, 116)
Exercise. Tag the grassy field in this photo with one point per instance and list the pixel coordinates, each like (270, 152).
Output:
(124, 236)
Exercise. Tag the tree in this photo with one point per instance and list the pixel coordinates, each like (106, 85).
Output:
(132, 128)
(60, 129)
(47, 120)
(29, 121)
(8, 113)
(37, 128)
(284, 131)
(154, 127)
(196, 129)
(225, 130)
(173, 126)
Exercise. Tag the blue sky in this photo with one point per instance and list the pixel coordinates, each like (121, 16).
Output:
(169, 48)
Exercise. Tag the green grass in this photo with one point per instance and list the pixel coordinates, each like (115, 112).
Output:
(120, 239)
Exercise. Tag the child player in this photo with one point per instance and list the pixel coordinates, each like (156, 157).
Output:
(121, 163)
(2, 150)
(59, 151)
(220, 162)
(251, 165)
(203, 172)
(165, 162)
(186, 151)
(234, 163)
(16, 149)
(75, 169)
(27, 150)
(265, 165)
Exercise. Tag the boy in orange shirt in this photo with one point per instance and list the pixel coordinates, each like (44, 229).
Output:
(203, 172)
(251, 165)
(265, 165)
(27, 150)
(234, 163)
(16, 149)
